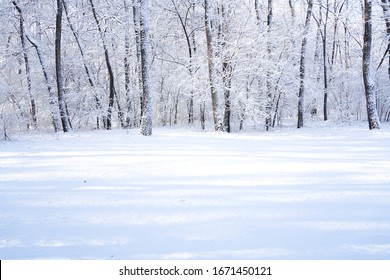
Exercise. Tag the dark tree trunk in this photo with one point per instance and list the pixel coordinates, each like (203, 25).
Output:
(27, 66)
(302, 67)
(292, 9)
(191, 51)
(87, 66)
(369, 84)
(324, 60)
(49, 82)
(111, 97)
(226, 70)
(65, 120)
(386, 14)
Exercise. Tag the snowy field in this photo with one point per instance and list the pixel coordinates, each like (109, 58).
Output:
(181, 194)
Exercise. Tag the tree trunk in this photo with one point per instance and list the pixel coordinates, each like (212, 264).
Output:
(258, 8)
(65, 120)
(191, 51)
(49, 82)
(111, 97)
(368, 75)
(268, 107)
(386, 14)
(226, 70)
(27, 66)
(324, 60)
(302, 66)
(129, 105)
(203, 114)
(137, 31)
(212, 68)
(292, 9)
(146, 120)
(87, 66)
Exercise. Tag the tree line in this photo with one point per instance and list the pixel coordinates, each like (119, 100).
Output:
(99, 64)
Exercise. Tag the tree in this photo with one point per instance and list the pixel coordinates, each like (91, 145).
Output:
(189, 33)
(137, 32)
(87, 66)
(368, 75)
(324, 35)
(226, 66)
(65, 120)
(212, 68)
(130, 118)
(112, 92)
(53, 100)
(146, 119)
(268, 108)
(386, 15)
(27, 66)
(302, 66)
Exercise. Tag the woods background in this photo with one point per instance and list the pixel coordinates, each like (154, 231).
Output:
(231, 65)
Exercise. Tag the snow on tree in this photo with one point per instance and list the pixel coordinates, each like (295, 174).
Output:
(65, 119)
(146, 119)
(302, 66)
(368, 74)
(212, 68)
(243, 74)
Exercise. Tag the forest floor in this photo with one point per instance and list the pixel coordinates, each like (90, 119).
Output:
(316, 193)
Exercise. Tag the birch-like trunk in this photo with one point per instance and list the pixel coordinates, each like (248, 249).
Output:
(368, 75)
(212, 68)
(146, 120)
(302, 66)
(137, 33)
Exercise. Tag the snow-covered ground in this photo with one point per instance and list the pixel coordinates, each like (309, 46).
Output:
(316, 193)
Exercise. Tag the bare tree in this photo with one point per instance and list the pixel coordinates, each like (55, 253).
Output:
(130, 118)
(386, 15)
(53, 100)
(227, 67)
(212, 68)
(324, 35)
(137, 32)
(302, 66)
(87, 66)
(146, 119)
(268, 107)
(189, 33)
(112, 93)
(65, 120)
(368, 75)
(27, 66)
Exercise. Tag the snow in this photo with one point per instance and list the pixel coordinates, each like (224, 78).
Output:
(313, 193)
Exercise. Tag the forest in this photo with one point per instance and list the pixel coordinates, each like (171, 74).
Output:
(302, 85)
(223, 64)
